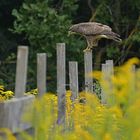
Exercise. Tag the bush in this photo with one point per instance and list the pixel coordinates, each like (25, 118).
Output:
(44, 24)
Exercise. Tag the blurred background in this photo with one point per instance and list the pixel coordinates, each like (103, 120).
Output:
(40, 24)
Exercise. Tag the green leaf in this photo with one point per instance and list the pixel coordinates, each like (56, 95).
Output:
(25, 6)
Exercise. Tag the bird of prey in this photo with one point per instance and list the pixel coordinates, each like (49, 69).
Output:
(93, 32)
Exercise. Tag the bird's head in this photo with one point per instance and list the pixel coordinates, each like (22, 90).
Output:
(72, 30)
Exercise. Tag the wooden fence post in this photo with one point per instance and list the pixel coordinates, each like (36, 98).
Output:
(103, 94)
(110, 67)
(107, 87)
(41, 73)
(61, 82)
(88, 70)
(21, 71)
(73, 77)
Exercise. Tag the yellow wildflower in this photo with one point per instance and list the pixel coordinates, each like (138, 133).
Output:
(95, 74)
(7, 133)
(107, 136)
(1, 88)
(116, 111)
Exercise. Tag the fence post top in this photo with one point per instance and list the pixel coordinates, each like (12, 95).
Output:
(109, 62)
(104, 66)
(88, 52)
(72, 61)
(60, 44)
(23, 47)
(41, 54)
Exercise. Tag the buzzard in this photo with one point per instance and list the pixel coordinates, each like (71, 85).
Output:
(93, 32)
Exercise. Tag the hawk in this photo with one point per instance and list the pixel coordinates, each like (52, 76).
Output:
(93, 32)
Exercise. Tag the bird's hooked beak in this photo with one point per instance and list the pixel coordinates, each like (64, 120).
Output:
(71, 33)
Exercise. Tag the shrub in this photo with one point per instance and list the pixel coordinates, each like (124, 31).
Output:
(44, 24)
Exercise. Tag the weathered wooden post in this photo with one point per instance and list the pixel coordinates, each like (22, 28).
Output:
(103, 94)
(73, 77)
(107, 87)
(88, 70)
(110, 67)
(11, 111)
(21, 71)
(41, 73)
(61, 82)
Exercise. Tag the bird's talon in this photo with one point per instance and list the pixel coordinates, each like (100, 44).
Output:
(86, 50)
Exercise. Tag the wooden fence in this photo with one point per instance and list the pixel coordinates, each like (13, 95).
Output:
(12, 110)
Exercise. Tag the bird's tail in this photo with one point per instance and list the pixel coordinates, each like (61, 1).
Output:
(114, 36)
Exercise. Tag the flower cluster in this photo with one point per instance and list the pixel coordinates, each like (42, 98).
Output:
(86, 117)
(5, 95)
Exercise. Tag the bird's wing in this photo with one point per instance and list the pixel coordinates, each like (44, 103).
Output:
(92, 28)
(95, 29)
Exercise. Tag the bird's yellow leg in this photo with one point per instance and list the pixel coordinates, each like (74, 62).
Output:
(87, 49)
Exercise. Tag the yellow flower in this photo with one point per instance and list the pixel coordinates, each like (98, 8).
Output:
(136, 135)
(33, 91)
(116, 111)
(107, 136)
(95, 74)
(132, 61)
(9, 135)
(2, 98)
(1, 88)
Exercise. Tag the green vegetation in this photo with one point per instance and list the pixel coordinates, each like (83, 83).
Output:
(41, 24)
(118, 119)
(44, 26)
(8, 94)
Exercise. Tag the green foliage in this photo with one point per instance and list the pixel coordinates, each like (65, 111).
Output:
(112, 52)
(97, 88)
(45, 22)
(44, 25)
(123, 17)
(8, 43)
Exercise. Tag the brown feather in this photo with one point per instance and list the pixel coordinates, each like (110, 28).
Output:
(90, 28)
(93, 32)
